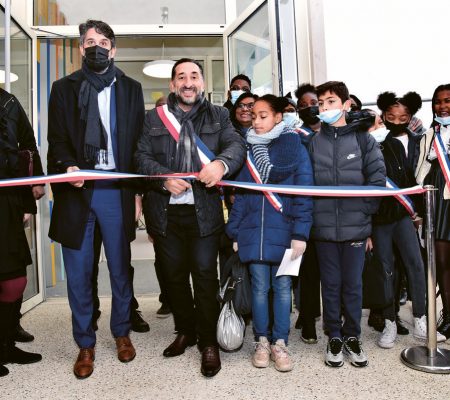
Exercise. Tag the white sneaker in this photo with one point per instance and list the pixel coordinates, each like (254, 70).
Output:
(421, 332)
(280, 355)
(334, 356)
(388, 336)
(355, 353)
(261, 357)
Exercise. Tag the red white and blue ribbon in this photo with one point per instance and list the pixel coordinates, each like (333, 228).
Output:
(81, 175)
(442, 155)
(404, 200)
(273, 198)
(321, 191)
(304, 132)
(174, 128)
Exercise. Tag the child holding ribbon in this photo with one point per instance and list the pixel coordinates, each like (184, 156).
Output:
(263, 225)
(433, 169)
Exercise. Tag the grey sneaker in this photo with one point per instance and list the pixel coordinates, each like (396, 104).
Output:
(355, 353)
(334, 357)
(261, 356)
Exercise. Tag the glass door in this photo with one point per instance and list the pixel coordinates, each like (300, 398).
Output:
(22, 55)
(258, 45)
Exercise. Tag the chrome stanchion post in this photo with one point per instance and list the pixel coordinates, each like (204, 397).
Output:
(429, 358)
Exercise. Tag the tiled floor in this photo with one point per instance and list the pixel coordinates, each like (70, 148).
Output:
(151, 376)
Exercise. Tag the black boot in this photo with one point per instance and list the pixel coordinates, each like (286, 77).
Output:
(444, 324)
(21, 335)
(3, 370)
(9, 353)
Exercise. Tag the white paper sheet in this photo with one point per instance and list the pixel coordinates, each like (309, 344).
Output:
(288, 266)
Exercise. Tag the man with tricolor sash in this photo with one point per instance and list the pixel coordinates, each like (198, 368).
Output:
(184, 217)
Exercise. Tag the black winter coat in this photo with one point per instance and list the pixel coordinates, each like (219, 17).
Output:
(337, 160)
(66, 148)
(400, 169)
(155, 150)
(16, 134)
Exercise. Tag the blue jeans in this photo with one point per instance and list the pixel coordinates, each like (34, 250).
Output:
(263, 278)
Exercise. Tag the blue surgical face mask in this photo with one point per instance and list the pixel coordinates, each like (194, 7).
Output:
(330, 116)
(380, 134)
(290, 119)
(235, 95)
(442, 120)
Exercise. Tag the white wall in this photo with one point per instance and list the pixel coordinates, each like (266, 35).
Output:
(378, 45)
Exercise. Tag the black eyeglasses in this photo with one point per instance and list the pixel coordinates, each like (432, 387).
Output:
(245, 106)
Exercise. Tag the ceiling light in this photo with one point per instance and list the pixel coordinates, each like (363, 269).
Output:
(12, 77)
(159, 68)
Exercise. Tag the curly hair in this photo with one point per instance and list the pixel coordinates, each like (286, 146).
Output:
(411, 100)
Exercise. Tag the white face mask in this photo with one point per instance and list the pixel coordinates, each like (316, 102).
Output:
(442, 120)
(291, 119)
(331, 116)
(380, 134)
(235, 95)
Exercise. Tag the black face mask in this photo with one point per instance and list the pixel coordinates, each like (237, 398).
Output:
(396, 129)
(309, 115)
(96, 58)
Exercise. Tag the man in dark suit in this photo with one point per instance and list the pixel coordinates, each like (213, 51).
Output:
(185, 219)
(95, 117)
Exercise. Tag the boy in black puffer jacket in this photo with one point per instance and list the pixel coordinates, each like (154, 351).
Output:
(342, 225)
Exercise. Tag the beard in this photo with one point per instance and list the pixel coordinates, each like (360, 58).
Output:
(188, 101)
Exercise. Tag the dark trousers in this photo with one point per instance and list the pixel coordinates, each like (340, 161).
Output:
(402, 234)
(341, 266)
(308, 285)
(183, 253)
(106, 209)
(163, 297)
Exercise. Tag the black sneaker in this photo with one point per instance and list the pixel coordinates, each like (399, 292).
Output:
(164, 311)
(137, 322)
(355, 353)
(309, 331)
(334, 356)
(403, 296)
(401, 328)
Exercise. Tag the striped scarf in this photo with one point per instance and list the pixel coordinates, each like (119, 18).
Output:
(260, 149)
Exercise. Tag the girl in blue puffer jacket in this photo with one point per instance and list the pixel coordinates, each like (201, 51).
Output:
(262, 232)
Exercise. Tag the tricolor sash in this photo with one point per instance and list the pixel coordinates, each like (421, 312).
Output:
(174, 128)
(273, 198)
(404, 200)
(442, 155)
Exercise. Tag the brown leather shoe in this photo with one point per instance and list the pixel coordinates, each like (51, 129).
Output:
(125, 349)
(84, 366)
(210, 361)
(178, 346)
